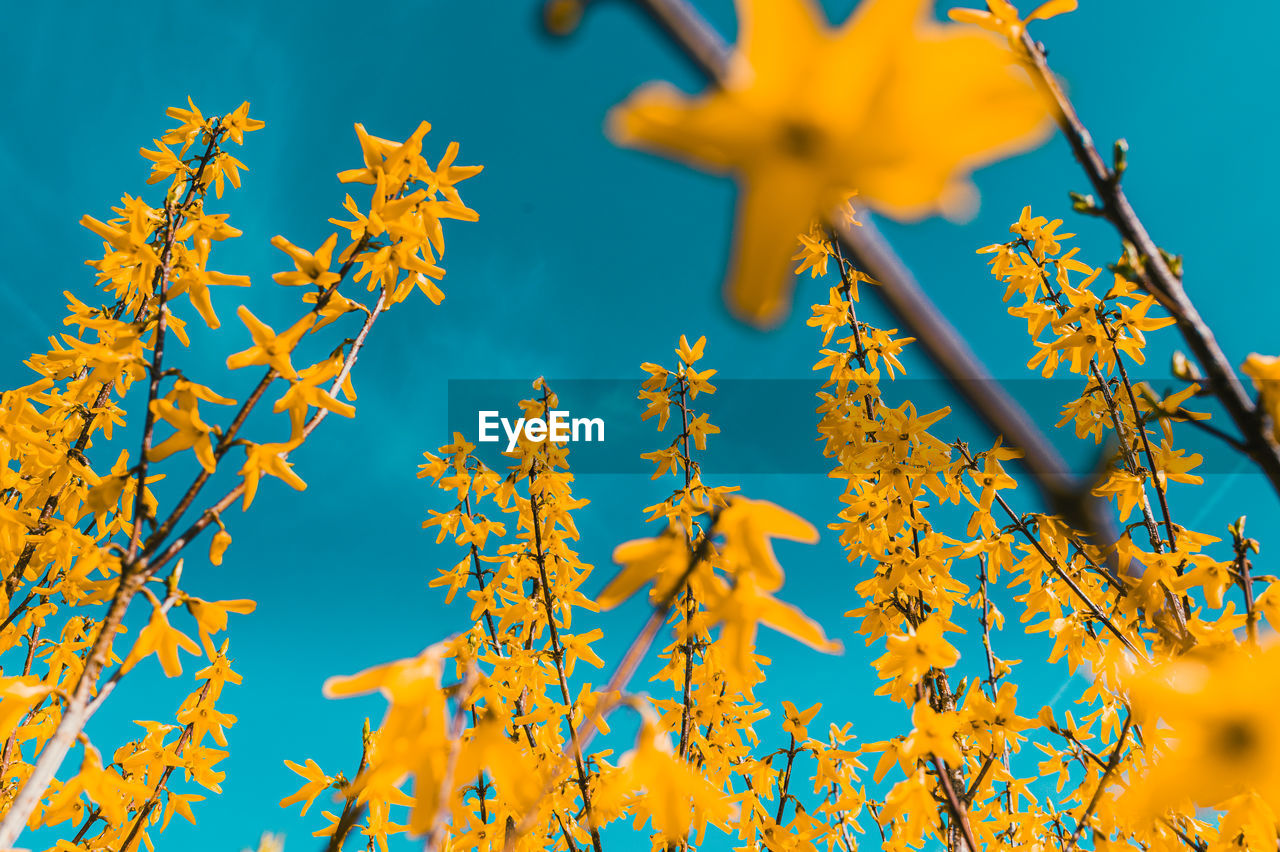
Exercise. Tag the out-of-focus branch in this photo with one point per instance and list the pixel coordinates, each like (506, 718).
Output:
(1066, 494)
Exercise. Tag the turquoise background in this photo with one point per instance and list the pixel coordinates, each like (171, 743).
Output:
(587, 260)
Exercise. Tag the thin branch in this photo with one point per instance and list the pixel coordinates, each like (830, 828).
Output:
(612, 696)
(1096, 610)
(1156, 277)
(557, 647)
(1112, 763)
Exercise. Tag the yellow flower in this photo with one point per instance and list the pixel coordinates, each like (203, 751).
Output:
(934, 736)
(796, 721)
(1003, 17)
(306, 393)
(238, 123)
(1265, 372)
(910, 656)
(163, 640)
(317, 783)
(181, 411)
(1218, 736)
(748, 526)
(310, 268)
(218, 546)
(269, 459)
(676, 798)
(211, 616)
(742, 611)
(193, 124)
(891, 104)
(910, 804)
(268, 347)
(17, 695)
(663, 560)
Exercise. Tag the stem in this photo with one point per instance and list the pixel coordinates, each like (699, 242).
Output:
(557, 650)
(1126, 450)
(153, 799)
(1146, 442)
(956, 806)
(1243, 568)
(153, 389)
(783, 791)
(1112, 763)
(612, 694)
(691, 603)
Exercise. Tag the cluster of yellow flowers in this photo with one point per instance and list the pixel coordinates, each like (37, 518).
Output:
(499, 737)
(1170, 720)
(494, 732)
(500, 757)
(76, 539)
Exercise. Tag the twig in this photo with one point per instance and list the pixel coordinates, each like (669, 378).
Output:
(557, 648)
(612, 694)
(1112, 763)
(958, 812)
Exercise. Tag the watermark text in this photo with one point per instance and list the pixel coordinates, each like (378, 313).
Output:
(559, 427)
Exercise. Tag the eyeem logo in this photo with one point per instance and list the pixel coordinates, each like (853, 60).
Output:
(559, 427)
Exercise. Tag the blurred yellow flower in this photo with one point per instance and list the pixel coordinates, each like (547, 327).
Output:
(1218, 737)
(891, 104)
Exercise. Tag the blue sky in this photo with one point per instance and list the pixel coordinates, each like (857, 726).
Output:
(587, 260)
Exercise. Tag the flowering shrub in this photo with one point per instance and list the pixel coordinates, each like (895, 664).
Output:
(500, 737)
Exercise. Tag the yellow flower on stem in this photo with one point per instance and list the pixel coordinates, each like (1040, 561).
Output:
(17, 696)
(268, 459)
(237, 123)
(162, 639)
(891, 104)
(797, 721)
(662, 560)
(317, 783)
(742, 611)
(306, 393)
(218, 546)
(193, 124)
(268, 347)
(181, 411)
(1002, 17)
(748, 526)
(446, 176)
(676, 798)
(310, 268)
(211, 616)
(385, 157)
(911, 808)
(909, 657)
(934, 736)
